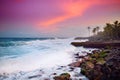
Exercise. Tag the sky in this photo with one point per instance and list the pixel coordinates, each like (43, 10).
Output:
(55, 18)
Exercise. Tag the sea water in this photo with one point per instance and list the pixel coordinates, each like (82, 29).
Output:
(30, 54)
(26, 54)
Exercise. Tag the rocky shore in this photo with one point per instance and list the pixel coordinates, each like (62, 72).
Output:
(100, 64)
(60, 73)
(90, 44)
(103, 64)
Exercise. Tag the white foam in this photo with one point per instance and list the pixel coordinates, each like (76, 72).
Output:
(41, 54)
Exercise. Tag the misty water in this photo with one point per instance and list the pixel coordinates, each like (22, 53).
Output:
(31, 55)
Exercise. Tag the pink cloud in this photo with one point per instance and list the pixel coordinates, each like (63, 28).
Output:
(47, 14)
(72, 9)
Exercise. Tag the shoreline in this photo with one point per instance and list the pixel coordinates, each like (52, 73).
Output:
(80, 69)
(46, 74)
(102, 64)
(94, 44)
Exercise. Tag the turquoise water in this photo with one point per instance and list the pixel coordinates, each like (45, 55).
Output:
(26, 54)
(24, 57)
(18, 46)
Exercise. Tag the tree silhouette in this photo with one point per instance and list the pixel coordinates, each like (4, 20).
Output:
(112, 31)
(97, 29)
(94, 31)
(89, 30)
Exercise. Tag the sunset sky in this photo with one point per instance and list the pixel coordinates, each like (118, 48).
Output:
(55, 18)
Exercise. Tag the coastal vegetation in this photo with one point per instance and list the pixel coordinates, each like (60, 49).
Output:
(95, 30)
(103, 63)
(111, 31)
(89, 30)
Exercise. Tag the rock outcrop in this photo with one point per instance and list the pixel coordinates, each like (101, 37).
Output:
(63, 76)
(90, 44)
(102, 65)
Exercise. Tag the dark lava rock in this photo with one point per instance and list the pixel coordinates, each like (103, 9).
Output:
(54, 74)
(34, 76)
(103, 65)
(75, 64)
(63, 76)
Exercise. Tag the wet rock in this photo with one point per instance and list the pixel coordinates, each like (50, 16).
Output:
(63, 76)
(34, 76)
(75, 64)
(103, 65)
(79, 57)
(87, 58)
(91, 44)
(77, 54)
(71, 69)
(54, 74)
(89, 64)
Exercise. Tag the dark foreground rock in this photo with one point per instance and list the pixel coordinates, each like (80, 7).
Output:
(102, 65)
(89, 44)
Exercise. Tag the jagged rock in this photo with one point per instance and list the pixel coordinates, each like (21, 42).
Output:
(63, 76)
(75, 64)
(54, 73)
(46, 79)
(103, 65)
(71, 68)
(87, 58)
(89, 64)
(34, 76)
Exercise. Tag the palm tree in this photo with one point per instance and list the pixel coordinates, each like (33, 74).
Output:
(112, 30)
(94, 30)
(97, 29)
(89, 30)
(116, 29)
(108, 31)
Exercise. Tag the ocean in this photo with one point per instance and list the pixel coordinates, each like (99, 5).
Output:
(31, 54)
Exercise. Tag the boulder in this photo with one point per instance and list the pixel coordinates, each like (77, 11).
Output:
(75, 64)
(63, 76)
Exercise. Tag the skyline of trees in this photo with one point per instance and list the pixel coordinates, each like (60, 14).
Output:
(111, 31)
